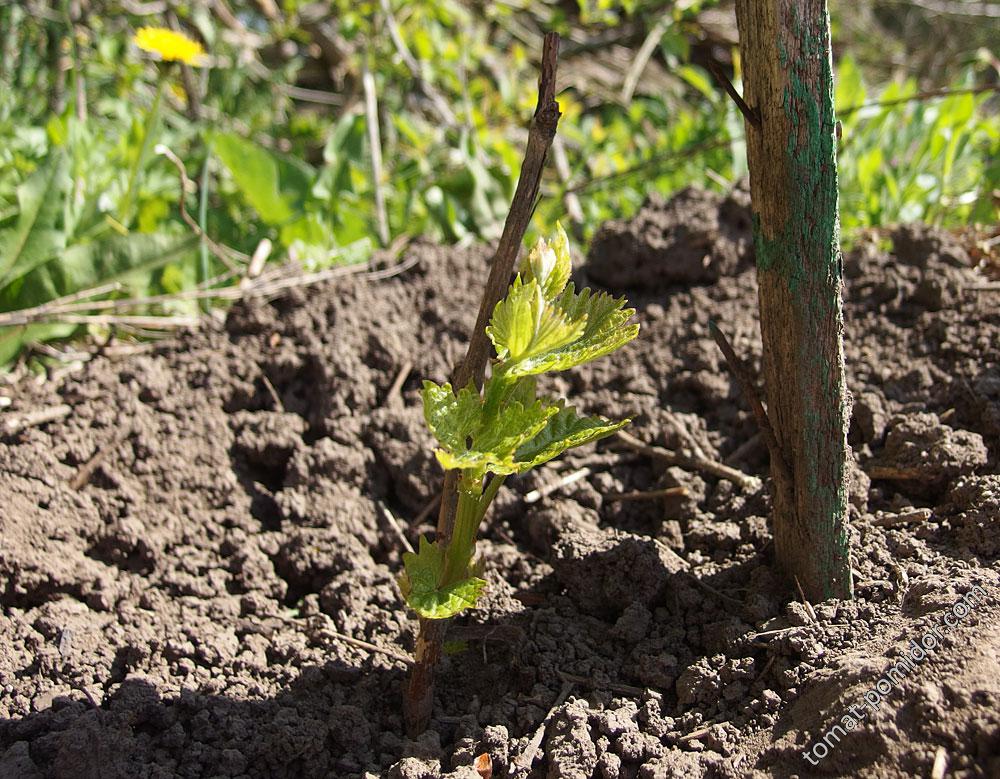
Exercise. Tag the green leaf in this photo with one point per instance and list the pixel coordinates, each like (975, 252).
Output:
(86, 265)
(549, 265)
(471, 442)
(420, 586)
(34, 239)
(275, 186)
(13, 339)
(81, 267)
(606, 329)
(452, 419)
(526, 324)
(564, 430)
(514, 424)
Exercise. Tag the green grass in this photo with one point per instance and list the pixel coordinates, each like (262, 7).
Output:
(275, 140)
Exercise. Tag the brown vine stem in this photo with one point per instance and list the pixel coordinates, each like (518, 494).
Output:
(418, 696)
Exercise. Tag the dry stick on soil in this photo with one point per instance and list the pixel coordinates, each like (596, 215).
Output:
(702, 731)
(395, 391)
(34, 418)
(396, 527)
(571, 478)
(275, 397)
(777, 631)
(627, 689)
(357, 642)
(751, 483)
(805, 600)
(375, 152)
(667, 492)
(940, 767)
(419, 693)
(903, 518)
(520, 766)
(87, 469)
(742, 376)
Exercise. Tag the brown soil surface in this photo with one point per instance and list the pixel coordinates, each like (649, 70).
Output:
(178, 613)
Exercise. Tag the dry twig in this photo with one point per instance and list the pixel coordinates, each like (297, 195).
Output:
(440, 104)
(224, 254)
(16, 424)
(750, 114)
(625, 689)
(642, 57)
(902, 518)
(395, 391)
(520, 766)
(87, 470)
(667, 492)
(375, 152)
(702, 731)
(396, 527)
(742, 376)
(704, 464)
(571, 478)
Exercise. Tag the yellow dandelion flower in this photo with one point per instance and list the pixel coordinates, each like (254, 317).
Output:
(170, 46)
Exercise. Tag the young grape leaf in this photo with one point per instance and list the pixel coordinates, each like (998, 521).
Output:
(525, 324)
(564, 430)
(452, 418)
(467, 442)
(420, 586)
(515, 424)
(606, 329)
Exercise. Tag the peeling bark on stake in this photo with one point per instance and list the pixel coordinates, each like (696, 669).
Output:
(788, 81)
(418, 696)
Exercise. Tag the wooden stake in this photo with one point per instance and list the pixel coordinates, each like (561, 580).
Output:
(792, 156)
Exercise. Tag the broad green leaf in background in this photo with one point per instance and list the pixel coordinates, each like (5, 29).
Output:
(35, 239)
(13, 339)
(275, 186)
(116, 258)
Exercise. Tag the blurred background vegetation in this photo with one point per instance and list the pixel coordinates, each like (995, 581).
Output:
(124, 178)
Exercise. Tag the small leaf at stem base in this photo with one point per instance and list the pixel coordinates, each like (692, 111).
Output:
(422, 591)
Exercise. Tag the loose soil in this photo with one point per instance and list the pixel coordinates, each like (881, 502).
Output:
(181, 611)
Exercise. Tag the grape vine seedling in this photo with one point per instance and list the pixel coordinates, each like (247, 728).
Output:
(542, 325)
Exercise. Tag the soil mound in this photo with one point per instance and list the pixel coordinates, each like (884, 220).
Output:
(184, 551)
